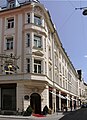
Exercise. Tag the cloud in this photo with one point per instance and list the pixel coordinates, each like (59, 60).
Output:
(85, 56)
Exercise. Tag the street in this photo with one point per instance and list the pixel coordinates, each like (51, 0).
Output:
(80, 114)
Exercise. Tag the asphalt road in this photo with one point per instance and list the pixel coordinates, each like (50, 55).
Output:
(80, 114)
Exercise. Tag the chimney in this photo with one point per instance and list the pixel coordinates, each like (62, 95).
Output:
(79, 74)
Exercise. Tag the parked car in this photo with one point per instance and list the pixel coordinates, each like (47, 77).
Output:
(84, 105)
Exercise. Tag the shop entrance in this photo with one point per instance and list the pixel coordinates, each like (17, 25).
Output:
(35, 102)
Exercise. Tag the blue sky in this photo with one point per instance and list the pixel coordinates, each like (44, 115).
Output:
(71, 26)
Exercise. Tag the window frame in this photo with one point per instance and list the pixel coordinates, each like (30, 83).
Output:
(28, 39)
(37, 20)
(37, 41)
(10, 23)
(12, 4)
(37, 66)
(9, 43)
(28, 65)
(28, 18)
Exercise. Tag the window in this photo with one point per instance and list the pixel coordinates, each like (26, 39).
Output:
(10, 23)
(50, 72)
(63, 70)
(45, 44)
(59, 55)
(37, 66)
(28, 18)
(56, 60)
(60, 67)
(60, 81)
(45, 68)
(9, 44)
(28, 65)
(49, 34)
(12, 5)
(63, 84)
(28, 40)
(37, 20)
(49, 53)
(37, 41)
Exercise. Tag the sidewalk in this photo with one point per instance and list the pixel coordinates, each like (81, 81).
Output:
(48, 117)
(55, 116)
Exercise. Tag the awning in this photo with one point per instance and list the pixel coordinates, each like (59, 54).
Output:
(67, 98)
(61, 96)
(73, 99)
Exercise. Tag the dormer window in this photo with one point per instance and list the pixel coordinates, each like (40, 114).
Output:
(11, 3)
(37, 20)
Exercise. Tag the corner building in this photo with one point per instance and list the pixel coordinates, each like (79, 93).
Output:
(46, 75)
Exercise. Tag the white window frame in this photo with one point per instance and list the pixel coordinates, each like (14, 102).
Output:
(37, 65)
(9, 43)
(37, 20)
(28, 65)
(28, 17)
(50, 72)
(37, 41)
(12, 4)
(10, 23)
(50, 53)
(28, 39)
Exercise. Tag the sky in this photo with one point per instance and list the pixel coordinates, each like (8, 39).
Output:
(71, 26)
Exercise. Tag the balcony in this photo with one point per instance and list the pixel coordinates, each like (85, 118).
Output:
(23, 76)
(34, 27)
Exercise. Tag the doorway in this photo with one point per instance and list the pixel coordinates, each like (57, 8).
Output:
(35, 102)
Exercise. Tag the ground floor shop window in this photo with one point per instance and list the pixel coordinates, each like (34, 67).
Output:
(8, 97)
(57, 101)
(63, 104)
(50, 98)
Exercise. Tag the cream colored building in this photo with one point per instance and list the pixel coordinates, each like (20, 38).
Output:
(83, 94)
(46, 75)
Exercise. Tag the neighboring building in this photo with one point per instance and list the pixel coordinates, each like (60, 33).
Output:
(84, 94)
(46, 75)
(82, 86)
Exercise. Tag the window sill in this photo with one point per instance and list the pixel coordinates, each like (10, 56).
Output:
(34, 47)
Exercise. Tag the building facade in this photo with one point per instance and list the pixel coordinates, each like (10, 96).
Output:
(40, 71)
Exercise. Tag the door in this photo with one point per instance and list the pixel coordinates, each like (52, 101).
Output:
(35, 102)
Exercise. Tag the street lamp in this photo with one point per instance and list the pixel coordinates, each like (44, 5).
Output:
(85, 12)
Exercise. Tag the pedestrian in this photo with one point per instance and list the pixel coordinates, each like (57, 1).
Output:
(57, 110)
(45, 110)
(74, 105)
(65, 107)
(71, 104)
